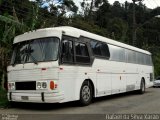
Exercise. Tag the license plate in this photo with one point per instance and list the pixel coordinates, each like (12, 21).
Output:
(24, 97)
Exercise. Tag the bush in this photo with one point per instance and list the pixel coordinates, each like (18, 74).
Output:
(3, 98)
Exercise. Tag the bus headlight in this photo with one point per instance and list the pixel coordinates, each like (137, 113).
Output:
(11, 86)
(41, 85)
(44, 85)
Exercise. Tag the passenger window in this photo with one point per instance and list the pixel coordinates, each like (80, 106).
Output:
(150, 60)
(82, 55)
(67, 51)
(131, 56)
(117, 53)
(138, 58)
(144, 59)
(100, 49)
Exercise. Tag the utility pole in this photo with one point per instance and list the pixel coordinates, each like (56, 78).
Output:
(134, 24)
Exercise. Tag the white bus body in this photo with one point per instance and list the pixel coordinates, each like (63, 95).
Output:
(44, 74)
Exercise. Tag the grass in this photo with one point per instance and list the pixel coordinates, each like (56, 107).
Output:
(3, 98)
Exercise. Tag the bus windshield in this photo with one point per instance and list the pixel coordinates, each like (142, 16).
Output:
(34, 51)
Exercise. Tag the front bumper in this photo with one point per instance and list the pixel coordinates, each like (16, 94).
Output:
(41, 97)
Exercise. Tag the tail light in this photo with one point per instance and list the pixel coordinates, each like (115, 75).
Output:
(53, 85)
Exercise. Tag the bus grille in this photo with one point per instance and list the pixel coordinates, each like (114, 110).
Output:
(31, 85)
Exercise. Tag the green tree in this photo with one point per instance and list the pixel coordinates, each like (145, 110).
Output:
(118, 29)
(10, 27)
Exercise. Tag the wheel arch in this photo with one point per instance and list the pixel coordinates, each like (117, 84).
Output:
(93, 87)
(92, 84)
(86, 93)
(143, 79)
(142, 86)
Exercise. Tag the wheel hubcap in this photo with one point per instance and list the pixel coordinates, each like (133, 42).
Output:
(86, 93)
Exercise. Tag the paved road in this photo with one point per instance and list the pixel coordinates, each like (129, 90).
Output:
(128, 103)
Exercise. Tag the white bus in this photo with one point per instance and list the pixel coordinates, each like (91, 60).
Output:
(61, 64)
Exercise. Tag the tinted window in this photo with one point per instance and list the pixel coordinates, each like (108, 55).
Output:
(145, 57)
(150, 60)
(117, 53)
(141, 58)
(131, 56)
(100, 49)
(147, 60)
(67, 51)
(81, 49)
(82, 55)
(138, 58)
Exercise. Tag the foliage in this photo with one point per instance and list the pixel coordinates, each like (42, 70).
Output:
(10, 27)
(3, 98)
(157, 64)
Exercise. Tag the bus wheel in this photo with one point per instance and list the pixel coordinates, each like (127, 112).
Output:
(86, 93)
(142, 87)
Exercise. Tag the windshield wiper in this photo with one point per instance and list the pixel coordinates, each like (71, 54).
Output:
(33, 58)
(28, 52)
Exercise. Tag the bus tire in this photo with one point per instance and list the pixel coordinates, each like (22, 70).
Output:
(86, 93)
(142, 87)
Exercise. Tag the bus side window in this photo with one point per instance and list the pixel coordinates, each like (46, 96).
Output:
(82, 55)
(67, 51)
(100, 49)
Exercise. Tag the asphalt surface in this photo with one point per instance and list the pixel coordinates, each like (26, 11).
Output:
(126, 103)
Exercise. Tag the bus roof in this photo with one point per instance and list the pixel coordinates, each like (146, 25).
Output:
(74, 32)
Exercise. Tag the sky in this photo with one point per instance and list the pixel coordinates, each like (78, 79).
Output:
(149, 3)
